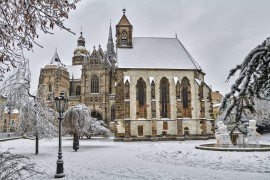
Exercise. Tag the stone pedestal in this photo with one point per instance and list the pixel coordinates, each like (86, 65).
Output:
(253, 136)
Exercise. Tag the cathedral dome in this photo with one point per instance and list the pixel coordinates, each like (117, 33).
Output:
(79, 50)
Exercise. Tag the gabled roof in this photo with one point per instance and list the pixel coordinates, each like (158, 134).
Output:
(156, 53)
(124, 21)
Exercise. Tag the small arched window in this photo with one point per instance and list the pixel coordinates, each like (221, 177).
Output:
(94, 85)
(124, 38)
(153, 94)
(78, 90)
(50, 88)
(127, 90)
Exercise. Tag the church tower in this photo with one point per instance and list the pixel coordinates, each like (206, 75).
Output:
(80, 53)
(56, 77)
(124, 32)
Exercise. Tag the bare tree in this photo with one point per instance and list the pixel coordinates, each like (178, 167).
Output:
(253, 82)
(20, 21)
(15, 166)
(36, 118)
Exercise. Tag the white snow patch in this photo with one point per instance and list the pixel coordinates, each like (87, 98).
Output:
(104, 159)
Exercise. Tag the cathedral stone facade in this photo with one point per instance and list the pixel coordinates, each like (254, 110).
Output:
(144, 88)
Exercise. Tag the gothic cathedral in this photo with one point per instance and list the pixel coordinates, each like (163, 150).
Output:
(145, 88)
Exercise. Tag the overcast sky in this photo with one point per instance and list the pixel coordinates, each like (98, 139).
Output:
(217, 33)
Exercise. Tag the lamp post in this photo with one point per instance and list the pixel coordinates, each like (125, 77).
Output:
(60, 103)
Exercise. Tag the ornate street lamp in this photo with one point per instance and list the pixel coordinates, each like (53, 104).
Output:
(60, 104)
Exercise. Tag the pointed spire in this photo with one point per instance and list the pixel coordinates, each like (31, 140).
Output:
(110, 45)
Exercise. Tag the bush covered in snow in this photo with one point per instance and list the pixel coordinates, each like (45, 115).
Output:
(78, 120)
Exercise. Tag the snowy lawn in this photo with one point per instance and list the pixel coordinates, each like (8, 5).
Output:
(100, 158)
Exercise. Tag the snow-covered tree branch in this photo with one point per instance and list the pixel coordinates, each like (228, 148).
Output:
(20, 21)
(253, 81)
(15, 166)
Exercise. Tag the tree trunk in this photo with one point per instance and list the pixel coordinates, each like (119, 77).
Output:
(36, 143)
(75, 141)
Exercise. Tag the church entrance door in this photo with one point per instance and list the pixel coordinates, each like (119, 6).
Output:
(96, 114)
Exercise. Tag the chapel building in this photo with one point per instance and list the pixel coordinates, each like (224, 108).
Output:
(145, 88)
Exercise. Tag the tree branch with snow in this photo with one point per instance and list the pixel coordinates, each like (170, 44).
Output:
(20, 21)
(253, 82)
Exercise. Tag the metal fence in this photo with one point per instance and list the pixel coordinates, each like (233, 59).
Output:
(10, 135)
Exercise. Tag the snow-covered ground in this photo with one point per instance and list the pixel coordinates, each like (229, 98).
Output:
(100, 159)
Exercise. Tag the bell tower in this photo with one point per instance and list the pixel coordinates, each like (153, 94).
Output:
(80, 53)
(124, 32)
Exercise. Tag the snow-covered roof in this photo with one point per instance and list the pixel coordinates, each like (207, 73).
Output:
(199, 82)
(75, 71)
(81, 50)
(156, 53)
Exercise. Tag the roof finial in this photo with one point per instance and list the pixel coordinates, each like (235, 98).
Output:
(110, 22)
(176, 35)
(124, 11)
(81, 31)
(56, 49)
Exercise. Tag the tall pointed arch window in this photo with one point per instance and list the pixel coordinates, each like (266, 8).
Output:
(178, 90)
(124, 38)
(141, 92)
(185, 84)
(78, 90)
(94, 84)
(112, 113)
(164, 97)
(141, 99)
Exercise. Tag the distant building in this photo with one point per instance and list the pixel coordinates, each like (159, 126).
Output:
(216, 100)
(9, 118)
(145, 88)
